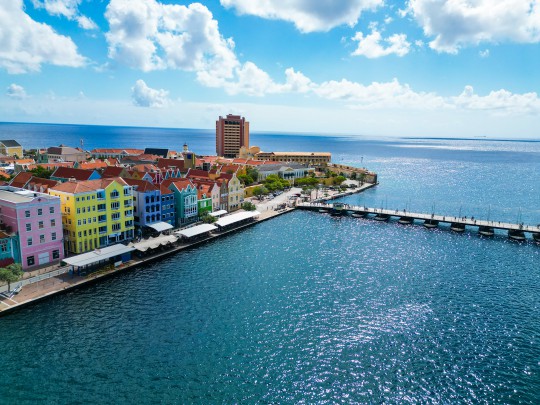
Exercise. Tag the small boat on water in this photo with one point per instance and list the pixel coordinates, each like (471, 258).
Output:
(357, 215)
(323, 211)
(405, 220)
(516, 234)
(486, 231)
(431, 223)
(457, 227)
(382, 217)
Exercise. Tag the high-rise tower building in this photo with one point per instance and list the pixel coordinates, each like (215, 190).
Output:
(232, 132)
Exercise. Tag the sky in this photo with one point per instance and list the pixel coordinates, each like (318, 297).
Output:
(426, 68)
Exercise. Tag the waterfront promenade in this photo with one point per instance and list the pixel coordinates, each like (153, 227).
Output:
(43, 283)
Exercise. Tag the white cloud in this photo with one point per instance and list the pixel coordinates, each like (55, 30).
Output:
(378, 95)
(456, 23)
(307, 16)
(16, 91)
(370, 46)
(148, 35)
(484, 53)
(499, 102)
(86, 23)
(68, 9)
(144, 96)
(26, 44)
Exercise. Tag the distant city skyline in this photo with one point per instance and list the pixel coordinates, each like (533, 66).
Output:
(427, 68)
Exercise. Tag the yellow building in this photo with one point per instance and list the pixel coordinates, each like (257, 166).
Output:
(9, 147)
(316, 159)
(95, 213)
(236, 191)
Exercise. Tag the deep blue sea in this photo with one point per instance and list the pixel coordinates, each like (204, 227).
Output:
(307, 308)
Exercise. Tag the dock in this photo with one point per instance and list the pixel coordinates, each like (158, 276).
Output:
(515, 231)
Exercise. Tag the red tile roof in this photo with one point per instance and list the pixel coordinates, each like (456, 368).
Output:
(69, 173)
(21, 179)
(142, 186)
(163, 163)
(112, 171)
(75, 187)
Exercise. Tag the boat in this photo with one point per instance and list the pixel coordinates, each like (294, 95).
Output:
(457, 227)
(323, 211)
(357, 215)
(382, 217)
(486, 231)
(431, 223)
(405, 220)
(516, 234)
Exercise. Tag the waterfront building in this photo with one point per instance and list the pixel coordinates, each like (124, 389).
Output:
(185, 197)
(211, 188)
(95, 213)
(63, 174)
(10, 147)
(235, 191)
(316, 159)
(62, 153)
(232, 133)
(290, 171)
(36, 220)
(168, 206)
(146, 202)
(9, 248)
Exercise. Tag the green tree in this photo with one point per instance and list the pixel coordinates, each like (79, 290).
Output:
(11, 274)
(41, 172)
(248, 206)
(208, 219)
(246, 179)
(253, 173)
(273, 182)
(259, 191)
(338, 180)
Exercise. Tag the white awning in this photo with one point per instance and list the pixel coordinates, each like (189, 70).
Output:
(160, 226)
(153, 243)
(196, 230)
(98, 255)
(218, 213)
(233, 218)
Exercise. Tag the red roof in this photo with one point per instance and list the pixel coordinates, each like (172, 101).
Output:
(93, 165)
(164, 190)
(74, 187)
(197, 173)
(142, 185)
(112, 171)
(69, 173)
(21, 179)
(163, 163)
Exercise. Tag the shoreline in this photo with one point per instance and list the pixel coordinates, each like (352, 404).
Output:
(66, 283)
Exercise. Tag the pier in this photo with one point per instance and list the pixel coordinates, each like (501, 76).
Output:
(457, 224)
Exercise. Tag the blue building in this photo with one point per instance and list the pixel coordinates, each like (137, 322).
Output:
(168, 203)
(9, 249)
(185, 194)
(146, 203)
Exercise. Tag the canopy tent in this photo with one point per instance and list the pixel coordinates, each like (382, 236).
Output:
(219, 213)
(238, 217)
(98, 255)
(196, 230)
(160, 226)
(153, 243)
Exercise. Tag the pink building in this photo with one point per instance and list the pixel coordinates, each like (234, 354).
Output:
(37, 221)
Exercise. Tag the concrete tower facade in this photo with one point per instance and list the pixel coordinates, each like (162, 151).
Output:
(232, 132)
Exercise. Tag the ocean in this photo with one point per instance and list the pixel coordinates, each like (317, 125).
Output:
(306, 307)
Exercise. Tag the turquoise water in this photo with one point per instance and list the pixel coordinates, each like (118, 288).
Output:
(310, 308)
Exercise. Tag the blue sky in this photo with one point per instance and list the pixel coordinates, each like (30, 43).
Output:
(449, 68)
